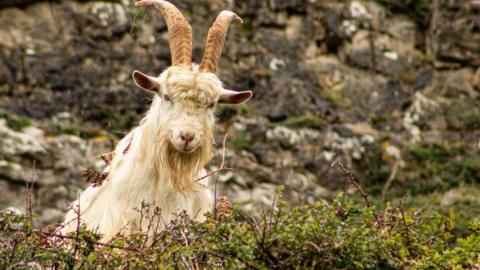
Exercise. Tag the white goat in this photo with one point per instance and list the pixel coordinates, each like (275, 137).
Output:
(160, 160)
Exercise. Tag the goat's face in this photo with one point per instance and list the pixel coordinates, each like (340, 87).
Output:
(188, 100)
(190, 92)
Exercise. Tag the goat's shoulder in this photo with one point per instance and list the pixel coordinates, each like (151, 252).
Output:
(125, 143)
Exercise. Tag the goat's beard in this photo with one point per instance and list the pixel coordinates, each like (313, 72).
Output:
(181, 168)
(184, 168)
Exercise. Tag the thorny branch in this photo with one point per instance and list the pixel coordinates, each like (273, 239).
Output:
(48, 236)
(77, 229)
(222, 165)
(407, 235)
(352, 181)
(66, 237)
(357, 186)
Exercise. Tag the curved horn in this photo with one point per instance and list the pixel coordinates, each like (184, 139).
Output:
(179, 31)
(216, 39)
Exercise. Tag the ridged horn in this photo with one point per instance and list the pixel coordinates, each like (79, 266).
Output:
(179, 31)
(216, 39)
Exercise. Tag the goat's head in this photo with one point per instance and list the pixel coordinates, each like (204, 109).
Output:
(188, 92)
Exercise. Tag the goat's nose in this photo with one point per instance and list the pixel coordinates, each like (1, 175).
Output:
(187, 136)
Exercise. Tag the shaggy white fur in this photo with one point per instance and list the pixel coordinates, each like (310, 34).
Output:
(155, 170)
(161, 161)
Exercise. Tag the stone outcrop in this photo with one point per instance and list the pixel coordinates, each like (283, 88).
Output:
(363, 82)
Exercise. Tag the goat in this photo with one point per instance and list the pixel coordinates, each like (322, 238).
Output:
(162, 159)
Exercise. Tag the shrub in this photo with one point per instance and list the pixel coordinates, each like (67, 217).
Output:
(336, 235)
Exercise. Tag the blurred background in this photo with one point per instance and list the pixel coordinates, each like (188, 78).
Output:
(390, 88)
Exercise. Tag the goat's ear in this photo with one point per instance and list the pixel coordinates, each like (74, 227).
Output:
(234, 97)
(145, 82)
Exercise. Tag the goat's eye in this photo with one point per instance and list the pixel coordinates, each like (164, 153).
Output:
(211, 105)
(167, 98)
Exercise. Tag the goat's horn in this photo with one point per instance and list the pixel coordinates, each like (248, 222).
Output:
(179, 31)
(216, 39)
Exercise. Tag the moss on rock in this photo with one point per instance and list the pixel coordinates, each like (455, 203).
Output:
(306, 121)
(15, 122)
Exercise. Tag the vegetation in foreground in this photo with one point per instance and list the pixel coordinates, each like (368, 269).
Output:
(328, 235)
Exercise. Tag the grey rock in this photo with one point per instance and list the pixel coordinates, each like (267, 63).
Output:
(67, 151)
(454, 34)
(15, 143)
(300, 58)
(50, 216)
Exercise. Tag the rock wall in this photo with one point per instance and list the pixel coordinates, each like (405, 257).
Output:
(377, 85)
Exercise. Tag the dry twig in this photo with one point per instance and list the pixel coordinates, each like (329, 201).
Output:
(357, 186)
(94, 177)
(222, 165)
(390, 180)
